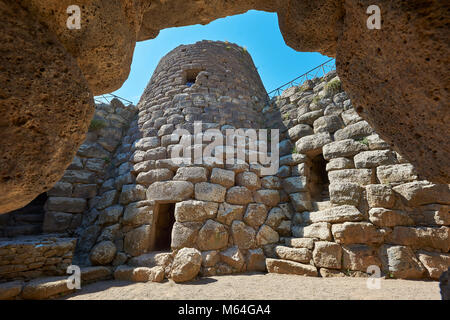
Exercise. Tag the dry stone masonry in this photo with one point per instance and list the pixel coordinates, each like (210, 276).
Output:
(342, 199)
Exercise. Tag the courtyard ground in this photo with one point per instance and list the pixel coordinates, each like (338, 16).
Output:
(259, 287)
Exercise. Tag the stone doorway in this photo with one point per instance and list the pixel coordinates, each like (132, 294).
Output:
(25, 221)
(163, 221)
(319, 183)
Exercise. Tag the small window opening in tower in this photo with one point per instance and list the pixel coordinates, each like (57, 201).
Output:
(164, 220)
(191, 76)
(319, 183)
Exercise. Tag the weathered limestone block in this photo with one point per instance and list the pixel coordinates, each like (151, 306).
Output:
(294, 184)
(301, 201)
(61, 189)
(143, 274)
(422, 192)
(328, 123)
(210, 192)
(10, 290)
(379, 195)
(270, 198)
(294, 254)
(266, 235)
(360, 176)
(57, 221)
(147, 178)
(335, 215)
(312, 145)
(191, 174)
(300, 243)
(421, 237)
(399, 173)
(354, 131)
(110, 215)
(233, 257)
(271, 182)
(107, 199)
(170, 191)
(372, 159)
(435, 263)
(145, 144)
(389, 218)
(44, 288)
(239, 195)
(359, 257)
(255, 215)
(343, 148)
(103, 253)
(299, 131)
(132, 193)
(227, 213)
(250, 180)
(400, 262)
(345, 193)
(212, 236)
(193, 210)
(137, 241)
(138, 213)
(290, 267)
(223, 177)
(210, 258)
(185, 234)
(320, 230)
(61, 204)
(327, 255)
(186, 265)
(255, 260)
(340, 163)
(357, 232)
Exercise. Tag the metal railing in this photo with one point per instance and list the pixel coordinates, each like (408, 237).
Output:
(318, 71)
(106, 98)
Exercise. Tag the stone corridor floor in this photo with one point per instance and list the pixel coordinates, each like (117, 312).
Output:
(260, 287)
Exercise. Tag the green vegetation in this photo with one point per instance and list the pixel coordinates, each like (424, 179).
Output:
(364, 141)
(97, 124)
(294, 150)
(316, 99)
(333, 87)
(286, 116)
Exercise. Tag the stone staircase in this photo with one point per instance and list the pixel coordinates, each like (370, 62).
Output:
(292, 256)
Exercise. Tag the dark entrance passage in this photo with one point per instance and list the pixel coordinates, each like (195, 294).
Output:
(25, 221)
(164, 220)
(319, 182)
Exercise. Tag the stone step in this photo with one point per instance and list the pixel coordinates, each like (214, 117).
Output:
(152, 259)
(307, 243)
(302, 255)
(290, 267)
(44, 288)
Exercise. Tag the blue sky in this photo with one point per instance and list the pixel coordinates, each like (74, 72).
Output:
(257, 31)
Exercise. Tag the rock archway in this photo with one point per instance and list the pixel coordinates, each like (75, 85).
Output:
(397, 76)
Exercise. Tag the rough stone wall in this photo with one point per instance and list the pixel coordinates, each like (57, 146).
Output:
(213, 82)
(72, 195)
(375, 208)
(25, 258)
